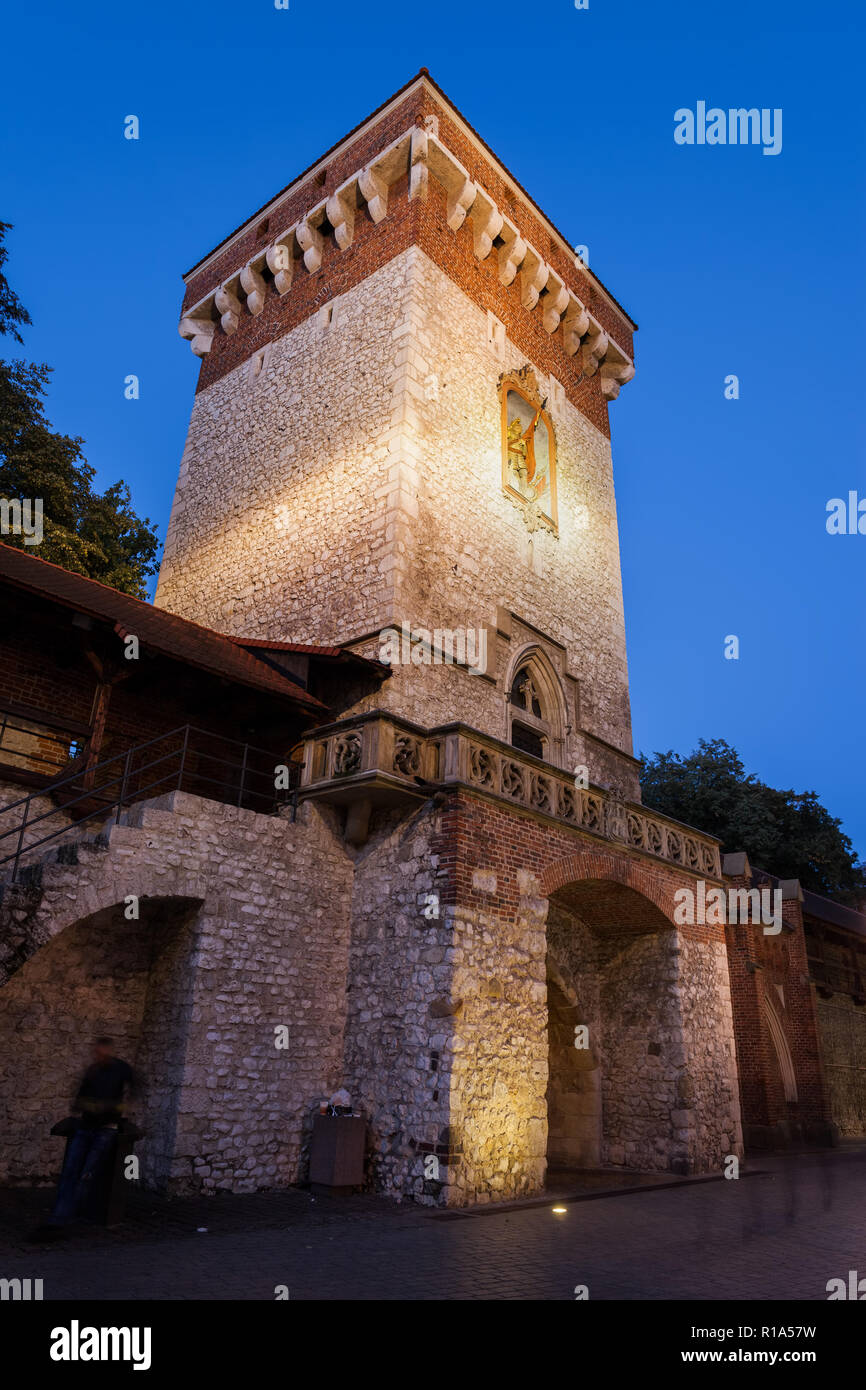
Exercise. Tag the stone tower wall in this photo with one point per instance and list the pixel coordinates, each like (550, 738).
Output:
(279, 524)
(343, 470)
(355, 483)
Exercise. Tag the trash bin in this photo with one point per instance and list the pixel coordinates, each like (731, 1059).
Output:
(107, 1201)
(337, 1153)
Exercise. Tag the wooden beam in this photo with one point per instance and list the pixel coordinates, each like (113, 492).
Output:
(98, 716)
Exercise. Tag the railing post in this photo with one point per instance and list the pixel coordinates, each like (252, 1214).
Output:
(183, 757)
(243, 773)
(20, 839)
(123, 784)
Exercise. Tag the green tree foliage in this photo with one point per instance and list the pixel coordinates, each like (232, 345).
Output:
(787, 833)
(96, 534)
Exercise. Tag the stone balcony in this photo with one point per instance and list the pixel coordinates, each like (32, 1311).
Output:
(377, 759)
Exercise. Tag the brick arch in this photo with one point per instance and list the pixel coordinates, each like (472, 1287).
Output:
(588, 866)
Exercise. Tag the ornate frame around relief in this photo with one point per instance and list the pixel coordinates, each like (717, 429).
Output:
(528, 453)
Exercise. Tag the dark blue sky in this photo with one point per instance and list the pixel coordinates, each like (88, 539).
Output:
(729, 260)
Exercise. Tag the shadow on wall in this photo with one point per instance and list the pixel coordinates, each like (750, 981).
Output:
(574, 1086)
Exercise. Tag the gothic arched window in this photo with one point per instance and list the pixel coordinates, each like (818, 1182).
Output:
(536, 709)
(530, 729)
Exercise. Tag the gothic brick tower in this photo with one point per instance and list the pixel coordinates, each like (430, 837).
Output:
(367, 339)
(401, 426)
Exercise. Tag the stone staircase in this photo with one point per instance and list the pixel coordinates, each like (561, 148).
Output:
(58, 869)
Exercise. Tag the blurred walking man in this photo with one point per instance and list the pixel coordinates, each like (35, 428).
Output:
(104, 1087)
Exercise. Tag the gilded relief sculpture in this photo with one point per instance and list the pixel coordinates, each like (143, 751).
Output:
(528, 448)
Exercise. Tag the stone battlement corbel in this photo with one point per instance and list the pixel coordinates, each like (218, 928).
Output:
(422, 155)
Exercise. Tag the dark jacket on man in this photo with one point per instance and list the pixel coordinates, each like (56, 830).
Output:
(101, 1093)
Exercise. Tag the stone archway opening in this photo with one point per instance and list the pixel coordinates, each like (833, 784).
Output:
(109, 974)
(615, 1090)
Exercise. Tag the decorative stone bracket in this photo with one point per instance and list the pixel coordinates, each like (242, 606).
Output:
(422, 154)
(378, 759)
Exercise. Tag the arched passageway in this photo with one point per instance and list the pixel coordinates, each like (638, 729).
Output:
(615, 1090)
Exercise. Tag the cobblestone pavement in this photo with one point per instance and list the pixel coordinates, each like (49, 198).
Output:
(779, 1233)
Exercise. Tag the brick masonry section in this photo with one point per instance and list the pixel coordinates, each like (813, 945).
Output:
(410, 223)
(779, 1053)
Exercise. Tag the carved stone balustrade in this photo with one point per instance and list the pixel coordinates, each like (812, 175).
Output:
(378, 759)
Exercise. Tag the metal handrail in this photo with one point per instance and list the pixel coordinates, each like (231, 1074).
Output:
(73, 776)
(44, 734)
(89, 793)
(128, 779)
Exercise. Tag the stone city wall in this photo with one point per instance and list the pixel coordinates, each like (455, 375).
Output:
(842, 1033)
(194, 1002)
